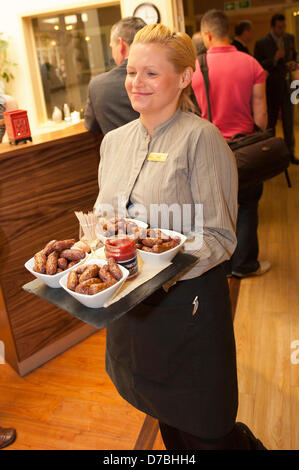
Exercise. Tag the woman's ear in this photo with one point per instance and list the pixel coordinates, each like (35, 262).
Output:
(186, 77)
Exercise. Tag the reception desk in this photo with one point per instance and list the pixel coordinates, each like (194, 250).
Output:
(42, 183)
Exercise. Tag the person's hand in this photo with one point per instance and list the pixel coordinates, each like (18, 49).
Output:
(280, 53)
(292, 65)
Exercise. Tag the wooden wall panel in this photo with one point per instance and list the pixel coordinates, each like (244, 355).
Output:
(40, 188)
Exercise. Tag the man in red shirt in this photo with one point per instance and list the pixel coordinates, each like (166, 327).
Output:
(238, 103)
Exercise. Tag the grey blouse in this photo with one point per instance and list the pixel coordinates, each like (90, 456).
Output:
(184, 178)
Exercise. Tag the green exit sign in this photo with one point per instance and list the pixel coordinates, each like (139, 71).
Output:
(229, 6)
(244, 4)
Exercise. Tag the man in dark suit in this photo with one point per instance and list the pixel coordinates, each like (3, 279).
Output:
(243, 35)
(277, 54)
(108, 105)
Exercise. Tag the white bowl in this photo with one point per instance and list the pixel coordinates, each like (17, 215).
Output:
(50, 280)
(96, 300)
(139, 223)
(158, 259)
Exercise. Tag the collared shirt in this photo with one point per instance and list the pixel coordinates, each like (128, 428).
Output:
(232, 76)
(198, 170)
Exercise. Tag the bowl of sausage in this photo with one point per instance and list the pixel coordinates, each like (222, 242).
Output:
(55, 259)
(94, 282)
(159, 246)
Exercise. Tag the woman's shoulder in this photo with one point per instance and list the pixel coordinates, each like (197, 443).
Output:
(194, 121)
(123, 130)
(196, 125)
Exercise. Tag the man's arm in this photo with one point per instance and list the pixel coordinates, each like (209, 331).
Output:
(259, 105)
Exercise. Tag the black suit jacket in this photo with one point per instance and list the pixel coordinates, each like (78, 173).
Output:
(240, 46)
(264, 51)
(108, 105)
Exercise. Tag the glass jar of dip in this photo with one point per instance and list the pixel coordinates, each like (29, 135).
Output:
(123, 250)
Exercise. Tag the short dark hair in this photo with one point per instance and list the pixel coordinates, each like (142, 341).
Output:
(126, 28)
(216, 21)
(243, 26)
(277, 17)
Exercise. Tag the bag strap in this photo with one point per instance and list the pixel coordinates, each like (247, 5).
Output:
(202, 59)
(236, 136)
(257, 130)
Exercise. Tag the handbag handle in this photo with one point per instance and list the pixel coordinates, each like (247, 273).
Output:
(257, 129)
(236, 136)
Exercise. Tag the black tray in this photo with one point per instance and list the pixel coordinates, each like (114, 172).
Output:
(100, 317)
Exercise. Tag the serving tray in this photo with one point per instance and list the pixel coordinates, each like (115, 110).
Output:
(101, 317)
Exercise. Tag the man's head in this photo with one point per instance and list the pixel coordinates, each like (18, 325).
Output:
(214, 28)
(278, 25)
(244, 31)
(122, 35)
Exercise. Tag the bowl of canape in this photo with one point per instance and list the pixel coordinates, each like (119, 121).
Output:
(55, 259)
(159, 246)
(94, 282)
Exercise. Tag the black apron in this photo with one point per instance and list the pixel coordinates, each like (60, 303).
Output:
(175, 366)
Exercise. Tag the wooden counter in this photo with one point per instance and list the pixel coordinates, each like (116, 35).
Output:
(42, 183)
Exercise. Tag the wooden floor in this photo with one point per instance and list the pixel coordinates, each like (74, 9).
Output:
(267, 322)
(70, 403)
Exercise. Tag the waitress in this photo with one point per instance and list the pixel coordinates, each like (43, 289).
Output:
(173, 356)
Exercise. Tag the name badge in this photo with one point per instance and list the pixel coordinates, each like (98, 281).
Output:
(157, 157)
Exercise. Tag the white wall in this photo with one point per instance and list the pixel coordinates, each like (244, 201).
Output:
(11, 21)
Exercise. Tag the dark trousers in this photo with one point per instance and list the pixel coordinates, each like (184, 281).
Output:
(279, 99)
(174, 439)
(245, 257)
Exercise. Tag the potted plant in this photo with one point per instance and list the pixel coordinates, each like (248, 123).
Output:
(5, 64)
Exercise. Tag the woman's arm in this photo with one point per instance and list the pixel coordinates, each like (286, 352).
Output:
(214, 185)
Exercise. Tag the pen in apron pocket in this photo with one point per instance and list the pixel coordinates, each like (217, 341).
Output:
(195, 303)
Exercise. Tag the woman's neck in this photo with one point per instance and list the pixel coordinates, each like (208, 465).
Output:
(152, 120)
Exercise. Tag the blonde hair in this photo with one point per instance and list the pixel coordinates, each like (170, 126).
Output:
(179, 49)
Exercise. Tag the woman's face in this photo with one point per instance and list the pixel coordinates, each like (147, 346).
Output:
(153, 85)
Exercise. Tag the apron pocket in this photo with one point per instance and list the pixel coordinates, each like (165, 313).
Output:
(162, 342)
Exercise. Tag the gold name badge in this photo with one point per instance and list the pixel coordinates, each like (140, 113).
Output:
(157, 157)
